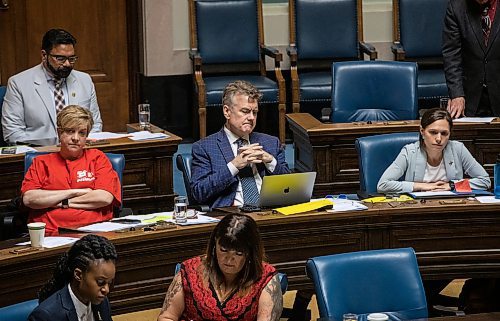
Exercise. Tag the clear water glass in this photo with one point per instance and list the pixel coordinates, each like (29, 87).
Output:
(180, 209)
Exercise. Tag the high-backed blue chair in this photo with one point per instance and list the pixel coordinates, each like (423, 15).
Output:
(183, 163)
(18, 311)
(375, 154)
(374, 91)
(227, 44)
(418, 28)
(3, 89)
(365, 282)
(322, 32)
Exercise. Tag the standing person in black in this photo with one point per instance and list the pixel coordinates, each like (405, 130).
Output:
(471, 53)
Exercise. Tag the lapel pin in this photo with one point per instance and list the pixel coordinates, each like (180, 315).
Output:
(451, 163)
(73, 94)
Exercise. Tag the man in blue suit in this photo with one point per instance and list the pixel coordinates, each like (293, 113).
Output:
(34, 96)
(218, 158)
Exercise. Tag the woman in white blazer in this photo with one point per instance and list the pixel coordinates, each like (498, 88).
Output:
(434, 163)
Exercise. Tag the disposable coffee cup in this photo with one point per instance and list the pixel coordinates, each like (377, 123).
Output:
(377, 317)
(37, 233)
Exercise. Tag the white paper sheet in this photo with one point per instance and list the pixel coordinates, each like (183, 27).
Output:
(106, 135)
(474, 120)
(143, 135)
(54, 241)
(487, 199)
(106, 227)
(9, 150)
(432, 194)
(345, 205)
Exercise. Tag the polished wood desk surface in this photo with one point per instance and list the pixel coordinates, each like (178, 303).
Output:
(452, 241)
(329, 148)
(147, 177)
(493, 316)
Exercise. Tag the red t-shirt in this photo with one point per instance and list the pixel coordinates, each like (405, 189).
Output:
(52, 172)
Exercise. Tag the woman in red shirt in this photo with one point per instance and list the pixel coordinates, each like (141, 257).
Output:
(75, 186)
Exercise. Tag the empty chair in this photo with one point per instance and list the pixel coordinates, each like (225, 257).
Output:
(18, 311)
(227, 44)
(418, 29)
(322, 32)
(365, 282)
(375, 154)
(374, 91)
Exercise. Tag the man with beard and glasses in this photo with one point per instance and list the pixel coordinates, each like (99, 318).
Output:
(35, 96)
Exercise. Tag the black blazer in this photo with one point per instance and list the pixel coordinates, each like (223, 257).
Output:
(468, 62)
(59, 306)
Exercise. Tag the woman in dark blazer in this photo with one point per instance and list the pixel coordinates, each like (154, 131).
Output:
(79, 287)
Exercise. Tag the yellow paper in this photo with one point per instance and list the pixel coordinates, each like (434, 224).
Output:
(158, 218)
(383, 199)
(304, 207)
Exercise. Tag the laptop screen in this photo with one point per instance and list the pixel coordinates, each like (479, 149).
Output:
(286, 189)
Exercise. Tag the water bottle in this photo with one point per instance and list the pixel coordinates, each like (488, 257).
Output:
(496, 178)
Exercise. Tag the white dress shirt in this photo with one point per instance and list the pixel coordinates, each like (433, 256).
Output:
(238, 199)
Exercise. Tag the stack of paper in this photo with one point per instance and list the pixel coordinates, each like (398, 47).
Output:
(54, 241)
(143, 135)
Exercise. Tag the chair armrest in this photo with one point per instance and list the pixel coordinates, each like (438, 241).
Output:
(398, 51)
(369, 49)
(326, 114)
(272, 52)
(195, 56)
(292, 53)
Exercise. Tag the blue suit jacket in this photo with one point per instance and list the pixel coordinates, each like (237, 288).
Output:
(28, 112)
(59, 306)
(211, 181)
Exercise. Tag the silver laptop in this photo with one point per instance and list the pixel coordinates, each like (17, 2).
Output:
(286, 189)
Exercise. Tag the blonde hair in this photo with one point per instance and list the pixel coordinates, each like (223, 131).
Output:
(74, 116)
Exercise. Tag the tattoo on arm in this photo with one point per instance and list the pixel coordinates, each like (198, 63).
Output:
(174, 288)
(274, 290)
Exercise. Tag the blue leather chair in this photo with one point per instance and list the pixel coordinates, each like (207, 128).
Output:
(365, 282)
(227, 44)
(322, 32)
(3, 89)
(374, 91)
(375, 154)
(18, 311)
(183, 163)
(418, 28)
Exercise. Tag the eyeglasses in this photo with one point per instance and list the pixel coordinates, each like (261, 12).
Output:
(62, 59)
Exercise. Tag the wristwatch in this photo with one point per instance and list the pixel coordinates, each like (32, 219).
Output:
(65, 203)
(452, 186)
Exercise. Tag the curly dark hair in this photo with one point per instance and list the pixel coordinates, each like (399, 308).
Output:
(86, 250)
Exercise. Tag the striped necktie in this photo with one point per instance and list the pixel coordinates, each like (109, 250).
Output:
(58, 95)
(486, 23)
(248, 184)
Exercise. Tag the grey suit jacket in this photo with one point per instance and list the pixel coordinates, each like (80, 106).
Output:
(28, 112)
(411, 163)
(468, 62)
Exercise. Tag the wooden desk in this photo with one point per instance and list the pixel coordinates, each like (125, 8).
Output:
(493, 316)
(147, 178)
(329, 149)
(454, 241)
